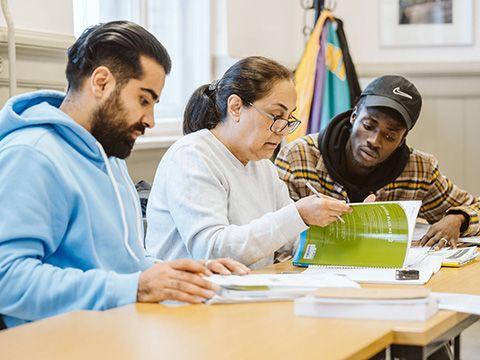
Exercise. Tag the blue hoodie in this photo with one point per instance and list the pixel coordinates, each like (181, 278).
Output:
(70, 226)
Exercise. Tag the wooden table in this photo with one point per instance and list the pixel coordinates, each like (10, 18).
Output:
(151, 331)
(417, 340)
(241, 331)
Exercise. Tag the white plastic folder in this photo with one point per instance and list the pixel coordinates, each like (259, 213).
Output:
(272, 287)
(417, 259)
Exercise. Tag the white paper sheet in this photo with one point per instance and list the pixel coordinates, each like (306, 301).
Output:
(459, 302)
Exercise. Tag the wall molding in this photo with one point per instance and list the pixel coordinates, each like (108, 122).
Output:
(26, 83)
(41, 60)
(38, 40)
(423, 69)
(448, 80)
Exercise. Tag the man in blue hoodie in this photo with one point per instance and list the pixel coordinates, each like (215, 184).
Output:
(71, 235)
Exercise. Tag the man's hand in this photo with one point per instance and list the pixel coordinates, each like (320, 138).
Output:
(444, 232)
(226, 266)
(179, 280)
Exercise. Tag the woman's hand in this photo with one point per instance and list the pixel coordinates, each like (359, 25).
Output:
(321, 211)
(226, 266)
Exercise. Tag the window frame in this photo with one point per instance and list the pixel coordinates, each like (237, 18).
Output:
(191, 36)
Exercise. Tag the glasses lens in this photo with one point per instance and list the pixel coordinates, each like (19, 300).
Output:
(279, 125)
(293, 125)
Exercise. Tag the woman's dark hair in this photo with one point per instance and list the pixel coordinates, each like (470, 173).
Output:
(117, 45)
(250, 79)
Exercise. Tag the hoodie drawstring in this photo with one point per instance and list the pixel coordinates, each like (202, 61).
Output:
(119, 201)
(133, 194)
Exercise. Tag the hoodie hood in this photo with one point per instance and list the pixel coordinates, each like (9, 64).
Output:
(34, 120)
(41, 108)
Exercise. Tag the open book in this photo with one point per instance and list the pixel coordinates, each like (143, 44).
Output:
(375, 234)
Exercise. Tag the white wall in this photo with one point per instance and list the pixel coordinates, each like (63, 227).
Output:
(43, 32)
(362, 26)
(273, 28)
(54, 16)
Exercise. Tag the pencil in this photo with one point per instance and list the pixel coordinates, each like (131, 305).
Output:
(312, 189)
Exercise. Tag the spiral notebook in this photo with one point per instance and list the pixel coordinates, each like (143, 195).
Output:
(375, 234)
(418, 259)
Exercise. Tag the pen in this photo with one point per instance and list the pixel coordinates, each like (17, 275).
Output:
(312, 189)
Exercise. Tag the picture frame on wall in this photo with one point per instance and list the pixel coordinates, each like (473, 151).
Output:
(410, 23)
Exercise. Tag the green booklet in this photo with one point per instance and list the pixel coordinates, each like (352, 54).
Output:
(374, 234)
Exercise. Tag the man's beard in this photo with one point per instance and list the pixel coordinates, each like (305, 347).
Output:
(110, 127)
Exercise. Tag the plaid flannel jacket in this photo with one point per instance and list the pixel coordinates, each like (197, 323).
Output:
(421, 179)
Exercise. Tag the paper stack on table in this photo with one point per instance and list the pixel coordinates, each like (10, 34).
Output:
(272, 287)
(457, 257)
(413, 304)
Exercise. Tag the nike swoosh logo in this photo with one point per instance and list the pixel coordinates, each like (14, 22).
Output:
(397, 91)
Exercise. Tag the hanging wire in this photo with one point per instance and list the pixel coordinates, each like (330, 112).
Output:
(315, 6)
(308, 6)
(12, 57)
(330, 5)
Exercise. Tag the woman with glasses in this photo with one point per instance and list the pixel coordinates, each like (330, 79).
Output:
(216, 193)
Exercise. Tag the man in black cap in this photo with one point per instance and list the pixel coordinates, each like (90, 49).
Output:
(363, 151)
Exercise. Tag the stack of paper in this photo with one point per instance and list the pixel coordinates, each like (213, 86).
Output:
(273, 287)
(415, 304)
(447, 256)
(459, 257)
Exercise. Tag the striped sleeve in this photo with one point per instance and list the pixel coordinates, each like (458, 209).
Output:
(296, 163)
(444, 197)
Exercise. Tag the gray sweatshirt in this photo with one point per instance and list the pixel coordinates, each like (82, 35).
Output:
(206, 204)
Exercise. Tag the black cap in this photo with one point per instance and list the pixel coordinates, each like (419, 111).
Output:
(397, 93)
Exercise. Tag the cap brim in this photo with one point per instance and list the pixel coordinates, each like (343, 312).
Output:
(375, 100)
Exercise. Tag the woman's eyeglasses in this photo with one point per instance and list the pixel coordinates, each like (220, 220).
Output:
(280, 124)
